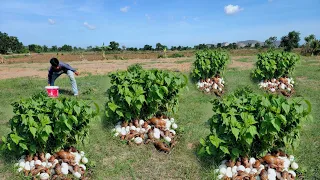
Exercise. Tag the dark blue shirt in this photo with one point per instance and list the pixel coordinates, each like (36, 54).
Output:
(63, 69)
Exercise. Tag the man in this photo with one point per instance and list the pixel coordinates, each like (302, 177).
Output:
(57, 68)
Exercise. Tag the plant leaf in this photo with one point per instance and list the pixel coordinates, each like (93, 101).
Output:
(235, 132)
(33, 131)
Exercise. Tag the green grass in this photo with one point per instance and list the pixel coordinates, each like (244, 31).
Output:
(115, 160)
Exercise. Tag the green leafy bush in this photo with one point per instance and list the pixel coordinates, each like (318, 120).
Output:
(209, 63)
(43, 124)
(247, 124)
(139, 93)
(274, 64)
(176, 55)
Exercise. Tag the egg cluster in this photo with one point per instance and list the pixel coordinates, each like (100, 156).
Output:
(153, 130)
(208, 85)
(56, 166)
(282, 85)
(270, 167)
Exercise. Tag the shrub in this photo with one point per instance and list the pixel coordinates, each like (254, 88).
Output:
(176, 55)
(138, 93)
(43, 124)
(247, 124)
(274, 64)
(209, 63)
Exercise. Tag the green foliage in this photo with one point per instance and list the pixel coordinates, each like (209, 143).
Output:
(270, 43)
(10, 44)
(247, 124)
(43, 124)
(274, 64)
(290, 41)
(208, 63)
(176, 55)
(139, 93)
(312, 46)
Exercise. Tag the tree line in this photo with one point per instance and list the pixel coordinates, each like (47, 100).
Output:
(11, 44)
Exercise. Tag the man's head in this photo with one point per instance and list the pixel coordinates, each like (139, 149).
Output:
(54, 63)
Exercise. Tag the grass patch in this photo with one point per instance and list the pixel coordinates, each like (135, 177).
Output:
(115, 160)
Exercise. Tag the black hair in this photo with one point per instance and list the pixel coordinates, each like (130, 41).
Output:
(54, 62)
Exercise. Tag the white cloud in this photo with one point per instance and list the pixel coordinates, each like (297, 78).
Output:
(231, 9)
(89, 26)
(125, 9)
(51, 21)
(148, 16)
(196, 19)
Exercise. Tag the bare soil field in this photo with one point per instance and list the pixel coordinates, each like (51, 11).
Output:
(99, 67)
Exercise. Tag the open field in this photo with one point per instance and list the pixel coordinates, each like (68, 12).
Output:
(115, 160)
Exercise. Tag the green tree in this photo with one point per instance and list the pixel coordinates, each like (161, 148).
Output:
(270, 42)
(219, 45)
(66, 48)
(290, 41)
(45, 48)
(159, 47)
(114, 46)
(147, 47)
(257, 45)
(10, 44)
(54, 48)
(35, 48)
(312, 45)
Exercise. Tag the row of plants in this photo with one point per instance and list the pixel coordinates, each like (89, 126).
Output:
(141, 101)
(273, 71)
(208, 69)
(42, 129)
(245, 124)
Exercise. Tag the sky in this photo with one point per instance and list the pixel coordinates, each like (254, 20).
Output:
(134, 23)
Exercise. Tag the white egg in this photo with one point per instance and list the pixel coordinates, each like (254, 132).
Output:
(291, 158)
(44, 176)
(272, 89)
(156, 135)
(172, 120)
(253, 171)
(83, 166)
(234, 170)
(64, 165)
(22, 160)
(173, 132)
(223, 171)
(133, 128)
(168, 124)
(44, 164)
(123, 132)
(118, 130)
(215, 86)
(229, 172)
(174, 126)
(286, 163)
(223, 165)
(64, 170)
(49, 165)
(142, 130)
(138, 140)
(168, 139)
(294, 166)
(293, 173)
(22, 164)
(248, 170)
(81, 153)
(241, 168)
(289, 89)
(138, 129)
(37, 162)
(77, 175)
(141, 122)
(27, 166)
(20, 169)
(47, 156)
(127, 129)
(84, 160)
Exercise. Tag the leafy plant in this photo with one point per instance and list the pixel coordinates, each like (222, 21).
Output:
(209, 63)
(247, 124)
(43, 124)
(176, 55)
(138, 93)
(274, 64)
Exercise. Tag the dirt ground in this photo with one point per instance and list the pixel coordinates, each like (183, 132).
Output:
(100, 67)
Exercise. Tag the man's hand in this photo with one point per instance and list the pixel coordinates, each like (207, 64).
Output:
(76, 73)
(48, 84)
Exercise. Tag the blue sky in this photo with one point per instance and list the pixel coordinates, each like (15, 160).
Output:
(170, 22)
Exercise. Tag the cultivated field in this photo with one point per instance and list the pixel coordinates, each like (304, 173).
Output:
(22, 77)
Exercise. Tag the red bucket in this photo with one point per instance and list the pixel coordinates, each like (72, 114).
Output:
(53, 91)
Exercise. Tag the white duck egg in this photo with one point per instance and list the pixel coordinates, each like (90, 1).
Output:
(84, 160)
(141, 122)
(294, 166)
(168, 139)
(174, 126)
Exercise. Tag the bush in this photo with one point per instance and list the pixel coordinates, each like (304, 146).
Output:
(247, 124)
(176, 55)
(138, 93)
(209, 63)
(43, 124)
(274, 64)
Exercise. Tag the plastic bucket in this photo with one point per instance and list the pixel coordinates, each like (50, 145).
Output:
(53, 91)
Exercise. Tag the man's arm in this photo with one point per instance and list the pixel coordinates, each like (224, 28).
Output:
(67, 66)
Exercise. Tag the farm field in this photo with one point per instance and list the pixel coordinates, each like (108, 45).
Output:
(115, 160)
